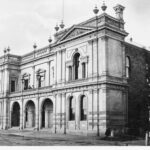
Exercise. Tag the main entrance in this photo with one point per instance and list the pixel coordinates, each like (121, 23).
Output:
(15, 116)
(30, 115)
(47, 114)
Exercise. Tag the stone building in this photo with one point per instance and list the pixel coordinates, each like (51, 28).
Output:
(85, 82)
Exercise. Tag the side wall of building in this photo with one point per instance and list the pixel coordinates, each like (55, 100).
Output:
(137, 90)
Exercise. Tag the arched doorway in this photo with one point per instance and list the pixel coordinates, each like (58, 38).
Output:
(15, 116)
(30, 114)
(47, 114)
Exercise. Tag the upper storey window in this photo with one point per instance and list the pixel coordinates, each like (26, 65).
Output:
(41, 78)
(26, 81)
(13, 86)
(76, 65)
(128, 66)
(83, 70)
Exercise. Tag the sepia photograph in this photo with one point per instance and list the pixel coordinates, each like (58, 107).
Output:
(75, 73)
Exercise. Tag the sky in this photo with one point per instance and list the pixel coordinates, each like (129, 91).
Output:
(24, 22)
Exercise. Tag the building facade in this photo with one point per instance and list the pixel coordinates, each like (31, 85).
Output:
(81, 83)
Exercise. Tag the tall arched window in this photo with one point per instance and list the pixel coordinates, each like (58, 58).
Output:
(70, 73)
(128, 66)
(83, 70)
(71, 109)
(76, 65)
(83, 108)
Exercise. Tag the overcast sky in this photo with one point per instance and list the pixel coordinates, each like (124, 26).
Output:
(23, 22)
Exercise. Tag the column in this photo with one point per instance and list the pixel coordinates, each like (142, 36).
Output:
(1, 81)
(48, 73)
(90, 66)
(37, 113)
(54, 117)
(95, 108)
(58, 111)
(67, 112)
(123, 60)
(95, 58)
(21, 116)
(86, 67)
(63, 65)
(59, 66)
(33, 70)
(67, 73)
(64, 112)
(104, 55)
(52, 72)
(80, 70)
(55, 68)
(60, 97)
(46, 118)
(6, 81)
(77, 115)
(103, 110)
(5, 117)
(0, 115)
(90, 111)
(10, 120)
(24, 117)
(40, 118)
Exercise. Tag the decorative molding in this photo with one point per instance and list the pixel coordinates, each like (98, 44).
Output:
(84, 59)
(104, 37)
(69, 63)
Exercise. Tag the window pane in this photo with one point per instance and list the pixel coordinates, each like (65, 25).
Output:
(13, 86)
(26, 84)
(70, 73)
(83, 70)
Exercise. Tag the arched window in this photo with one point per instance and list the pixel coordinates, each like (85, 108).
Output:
(25, 81)
(128, 66)
(70, 73)
(83, 108)
(71, 109)
(76, 65)
(41, 78)
(83, 70)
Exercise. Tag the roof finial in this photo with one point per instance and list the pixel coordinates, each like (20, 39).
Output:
(34, 46)
(95, 10)
(50, 39)
(62, 25)
(57, 27)
(104, 7)
(8, 49)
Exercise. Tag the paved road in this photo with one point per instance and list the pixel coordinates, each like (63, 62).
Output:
(10, 138)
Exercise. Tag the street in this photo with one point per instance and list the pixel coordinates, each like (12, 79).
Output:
(33, 138)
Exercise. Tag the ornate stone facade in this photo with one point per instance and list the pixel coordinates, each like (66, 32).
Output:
(76, 85)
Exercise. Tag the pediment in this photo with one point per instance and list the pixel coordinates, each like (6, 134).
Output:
(75, 32)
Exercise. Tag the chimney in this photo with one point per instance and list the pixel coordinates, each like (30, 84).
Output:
(119, 11)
